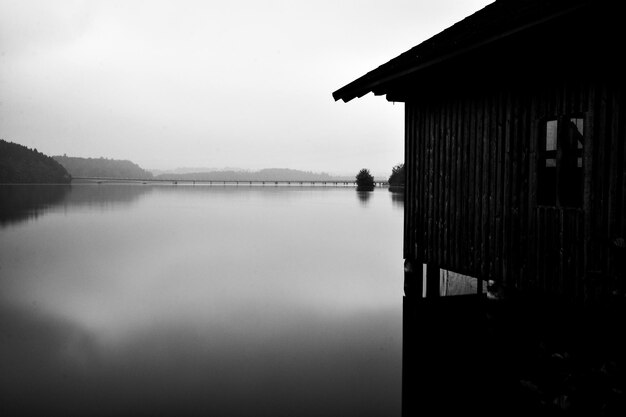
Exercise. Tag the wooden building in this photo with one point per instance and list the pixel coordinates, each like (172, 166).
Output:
(515, 148)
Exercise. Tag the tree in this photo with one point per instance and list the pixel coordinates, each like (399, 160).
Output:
(19, 164)
(364, 180)
(396, 179)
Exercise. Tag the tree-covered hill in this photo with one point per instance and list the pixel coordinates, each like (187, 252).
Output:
(102, 167)
(269, 174)
(21, 165)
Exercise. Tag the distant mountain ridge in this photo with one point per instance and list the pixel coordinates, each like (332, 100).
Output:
(21, 165)
(193, 170)
(269, 174)
(125, 169)
(102, 167)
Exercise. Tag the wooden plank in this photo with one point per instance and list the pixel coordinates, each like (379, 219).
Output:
(530, 205)
(431, 185)
(588, 167)
(613, 181)
(513, 237)
(450, 183)
(411, 167)
(524, 138)
(600, 188)
(414, 185)
(452, 227)
(408, 213)
(554, 102)
(549, 256)
(498, 208)
(484, 244)
(458, 187)
(422, 180)
(478, 206)
(622, 188)
(415, 189)
(506, 208)
(441, 191)
(565, 96)
(472, 117)
(537, 250)
(574, 97)
(444, 227)
(417, 181)
(561, 245)
(460, 243)
(416, 177)
(557, 250)
(439, 158)
(488, 178)
(539, 243)
(436, 181)
(464, 239)
(580, 265)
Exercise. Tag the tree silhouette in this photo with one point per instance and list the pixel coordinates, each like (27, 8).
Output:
(19, 164)
(364, 180)
(397, 176)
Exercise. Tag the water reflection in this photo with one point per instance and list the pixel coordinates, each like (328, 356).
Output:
(106, 195)
(397, 198)
(328, 367)
(25, 202)
(201, 300)
(364, 196)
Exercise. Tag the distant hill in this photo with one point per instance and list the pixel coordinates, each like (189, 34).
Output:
(239, 174)
(21, 165)
(270, 174)
(102, 167)
(193, 170)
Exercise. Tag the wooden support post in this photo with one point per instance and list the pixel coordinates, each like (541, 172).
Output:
(432, 280)
(413, 278)
(410, 355)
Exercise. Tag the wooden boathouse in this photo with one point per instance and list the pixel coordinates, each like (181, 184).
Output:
(514, 146)
(515, 155)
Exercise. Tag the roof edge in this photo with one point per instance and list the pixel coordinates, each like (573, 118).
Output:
(385, 73)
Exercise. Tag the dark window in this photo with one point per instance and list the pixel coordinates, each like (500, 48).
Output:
(560, 176)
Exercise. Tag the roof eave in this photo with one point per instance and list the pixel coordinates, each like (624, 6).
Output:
(377, 79)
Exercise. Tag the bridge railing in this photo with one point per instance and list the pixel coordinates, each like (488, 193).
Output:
(101, 180)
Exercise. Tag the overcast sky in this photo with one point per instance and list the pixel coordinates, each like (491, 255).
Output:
(179, 83)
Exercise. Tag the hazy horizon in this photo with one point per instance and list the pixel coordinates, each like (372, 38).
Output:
(209, 84)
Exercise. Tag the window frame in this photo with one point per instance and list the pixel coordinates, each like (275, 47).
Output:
(559, 196)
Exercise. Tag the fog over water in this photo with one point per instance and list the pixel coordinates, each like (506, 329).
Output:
(122, 299)
(194, 83)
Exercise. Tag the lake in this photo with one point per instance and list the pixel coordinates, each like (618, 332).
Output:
(200, 300)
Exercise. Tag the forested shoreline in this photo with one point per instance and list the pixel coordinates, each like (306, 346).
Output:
(21, 165)
(102, 167)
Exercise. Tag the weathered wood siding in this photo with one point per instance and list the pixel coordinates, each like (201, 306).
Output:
(471, 196)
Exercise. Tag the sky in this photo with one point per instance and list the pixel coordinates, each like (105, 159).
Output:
(216, 84)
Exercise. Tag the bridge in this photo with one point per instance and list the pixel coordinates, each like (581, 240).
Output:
(335, 183)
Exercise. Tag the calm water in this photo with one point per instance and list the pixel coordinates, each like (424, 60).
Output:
(234, 301)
